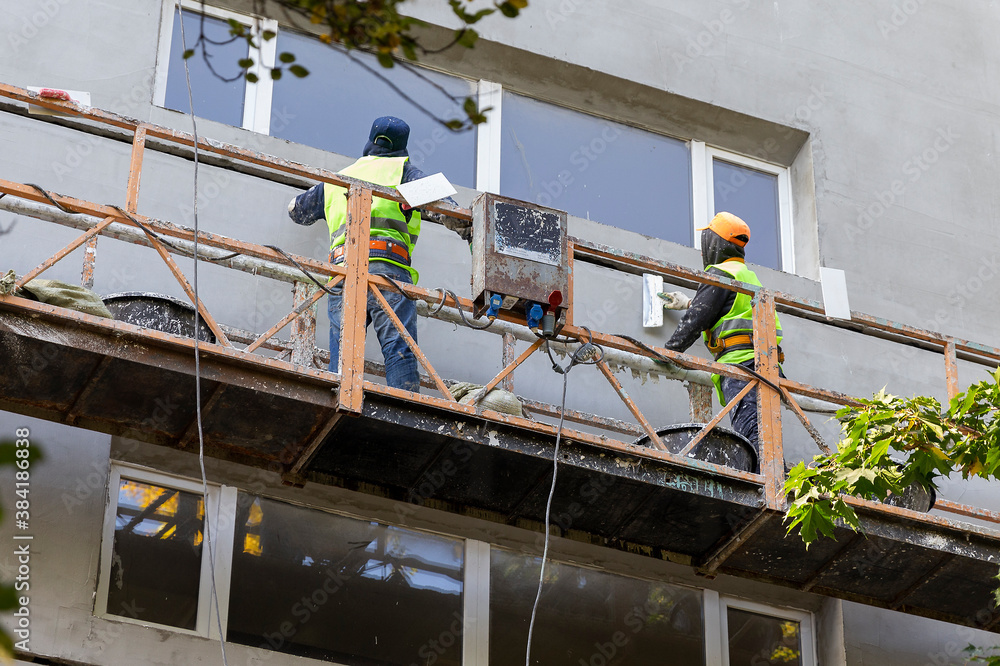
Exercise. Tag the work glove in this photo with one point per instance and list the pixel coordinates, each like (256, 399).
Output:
(674, 300)
(461, 227)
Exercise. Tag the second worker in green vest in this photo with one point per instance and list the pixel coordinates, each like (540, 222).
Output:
(724, 317)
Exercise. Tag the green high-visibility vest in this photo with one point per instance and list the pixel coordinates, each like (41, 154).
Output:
(738, 321)
(387, 220)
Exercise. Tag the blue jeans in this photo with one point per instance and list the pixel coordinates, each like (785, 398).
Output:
(400, 363)
(743, 416)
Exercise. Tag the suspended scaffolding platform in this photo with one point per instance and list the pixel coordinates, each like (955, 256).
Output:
(314, 426)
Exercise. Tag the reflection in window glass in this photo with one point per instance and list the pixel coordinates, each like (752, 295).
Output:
(324, 586)
(156, 564)
(596, 169)
(333, 108)
(587, 616)
(757, 640)
(214, 98)
(752, 195)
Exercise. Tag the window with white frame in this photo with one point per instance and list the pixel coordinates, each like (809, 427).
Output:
(326, 586)
(589, 616)
(357, 590)
(758, 634)
(154, 561)
(592, 167)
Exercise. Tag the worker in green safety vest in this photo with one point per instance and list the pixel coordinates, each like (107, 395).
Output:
(723, 317)
(394, 232)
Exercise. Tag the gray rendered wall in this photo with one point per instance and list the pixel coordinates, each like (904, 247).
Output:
(890, 108)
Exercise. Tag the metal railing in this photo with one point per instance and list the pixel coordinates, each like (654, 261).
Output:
(264, 261)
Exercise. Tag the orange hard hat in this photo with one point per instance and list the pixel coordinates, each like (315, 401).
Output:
(730, 228)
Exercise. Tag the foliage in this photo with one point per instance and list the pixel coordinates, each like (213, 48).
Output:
(374, 26)
(935, 443)
(977, 655)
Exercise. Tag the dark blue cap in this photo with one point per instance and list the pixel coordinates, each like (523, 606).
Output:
(389, 133)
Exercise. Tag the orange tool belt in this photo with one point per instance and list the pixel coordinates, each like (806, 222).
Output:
(379, 248)
(718, 347)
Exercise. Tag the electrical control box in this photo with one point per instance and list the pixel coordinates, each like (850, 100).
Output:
(519, 252)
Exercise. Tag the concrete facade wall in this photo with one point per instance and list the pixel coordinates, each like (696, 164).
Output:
(885, 111)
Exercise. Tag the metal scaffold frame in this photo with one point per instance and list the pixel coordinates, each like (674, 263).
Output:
(129, 225)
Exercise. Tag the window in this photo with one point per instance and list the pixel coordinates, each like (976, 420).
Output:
(223, 95)
(759, 635)
(589, 616)
(756, 191)
(334, 106)
(355, 590)
(596, 169)
(331, 109)
(590, 166)
(154, 564)
(320, 585)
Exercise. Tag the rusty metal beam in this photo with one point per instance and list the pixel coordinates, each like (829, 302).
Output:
(109, 337)
(654, 438)
(410, 342)
(303, 333)
(568, 435)
(804, 420)
(951, 368)
(88, 389)
(135, 169)
(507, 383)
(922, 579)
(48, 263)
(299, 308)
(719, 557)
(189, 290)
(813, 310)
(772, 464)
(312, 447)
(718, 417)
(965, 510)
(190, 434)
(574, 416)
(355, 300)
(89, 257)
(509, 368)
(700, 398)
(216, 147)
(208, 239)
(810, 582)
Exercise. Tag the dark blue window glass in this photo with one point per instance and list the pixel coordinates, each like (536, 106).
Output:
(214, 98)
(752, 195)
(596, 168)
(333, 108)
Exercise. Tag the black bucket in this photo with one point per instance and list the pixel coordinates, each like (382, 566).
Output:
(914, 497)
(721, 445)
(159, 312)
